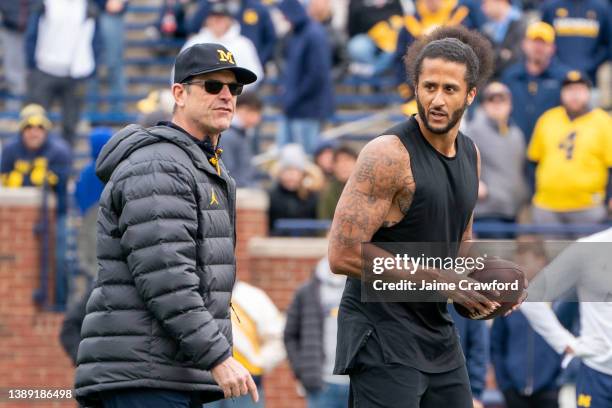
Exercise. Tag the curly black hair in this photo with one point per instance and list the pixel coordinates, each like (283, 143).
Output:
(456, 44)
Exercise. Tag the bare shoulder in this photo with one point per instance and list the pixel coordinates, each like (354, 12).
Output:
(369, 192)
(402, 185)
(388, 145)
(380, 188)
(382, 163)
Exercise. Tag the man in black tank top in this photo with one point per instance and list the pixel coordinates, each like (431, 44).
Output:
(418, 182)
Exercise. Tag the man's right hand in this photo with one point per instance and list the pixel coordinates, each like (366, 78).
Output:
(474, 301)
(234, 379)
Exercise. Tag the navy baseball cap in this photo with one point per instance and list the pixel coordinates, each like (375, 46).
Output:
(209, 57)
(576, 77)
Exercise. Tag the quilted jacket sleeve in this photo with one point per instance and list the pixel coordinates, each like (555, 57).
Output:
(158, 226)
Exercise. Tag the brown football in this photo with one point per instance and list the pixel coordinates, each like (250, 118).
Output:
(500, 270)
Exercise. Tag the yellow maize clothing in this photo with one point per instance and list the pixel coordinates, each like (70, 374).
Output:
(257, 328)
(450, 14)
(573, 158)
(384, 33)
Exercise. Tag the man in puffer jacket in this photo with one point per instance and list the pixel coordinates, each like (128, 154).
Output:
(157, 332)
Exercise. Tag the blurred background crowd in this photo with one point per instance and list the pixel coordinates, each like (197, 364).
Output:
(331, 77)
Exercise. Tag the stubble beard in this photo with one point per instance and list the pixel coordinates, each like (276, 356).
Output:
(454, 118)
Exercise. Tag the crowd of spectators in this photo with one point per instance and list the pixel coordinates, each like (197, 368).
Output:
(53, 52)
(544, 138)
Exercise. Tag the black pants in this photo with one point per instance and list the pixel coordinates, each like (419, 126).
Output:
(375, 383)
(44, 89)
(148, 398)
(540, 399)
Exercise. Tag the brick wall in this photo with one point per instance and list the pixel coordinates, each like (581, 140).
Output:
(252, 221)
(30, 353)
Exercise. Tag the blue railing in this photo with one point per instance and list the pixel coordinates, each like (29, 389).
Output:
(53, 291)
(41, 230)
(302, 226)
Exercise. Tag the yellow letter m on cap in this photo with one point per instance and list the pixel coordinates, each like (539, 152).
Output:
(226, 57)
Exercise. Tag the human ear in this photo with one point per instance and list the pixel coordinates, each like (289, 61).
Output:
(471, 95)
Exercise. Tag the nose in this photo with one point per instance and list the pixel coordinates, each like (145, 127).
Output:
(438, 100)
(225, 93)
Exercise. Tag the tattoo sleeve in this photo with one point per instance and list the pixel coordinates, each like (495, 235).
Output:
(382, 167)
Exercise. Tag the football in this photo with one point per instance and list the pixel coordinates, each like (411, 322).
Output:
(497, 274)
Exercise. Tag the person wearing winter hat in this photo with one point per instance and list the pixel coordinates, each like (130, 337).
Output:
(37, 158)
(289, 197)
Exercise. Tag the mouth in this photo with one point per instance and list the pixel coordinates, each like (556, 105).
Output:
(226, 110)
(437, 115)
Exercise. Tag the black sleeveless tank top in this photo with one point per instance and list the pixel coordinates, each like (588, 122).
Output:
(420, 335)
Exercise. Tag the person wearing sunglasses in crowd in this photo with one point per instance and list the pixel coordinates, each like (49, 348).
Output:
(157, 329)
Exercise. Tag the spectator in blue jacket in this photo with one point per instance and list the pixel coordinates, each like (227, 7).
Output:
(88, 186)
(62, 46)
(35, 158)
(306, 86)
(87, 196)
(255, 24)
(15, 14)
(112, 31)
(535, 81)
(474, 339)
(583, 32)
(527, 369)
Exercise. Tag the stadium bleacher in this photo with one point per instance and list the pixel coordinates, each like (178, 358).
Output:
(147, 65)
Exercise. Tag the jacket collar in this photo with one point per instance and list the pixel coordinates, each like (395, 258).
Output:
(198, 151)
(134, 137)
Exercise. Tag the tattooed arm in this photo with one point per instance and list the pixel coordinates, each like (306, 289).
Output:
(377, 194)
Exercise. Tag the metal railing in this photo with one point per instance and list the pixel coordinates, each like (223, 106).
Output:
(53, 288)
(304, 226)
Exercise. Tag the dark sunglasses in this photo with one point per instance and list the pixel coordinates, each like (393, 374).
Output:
(212, 86)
